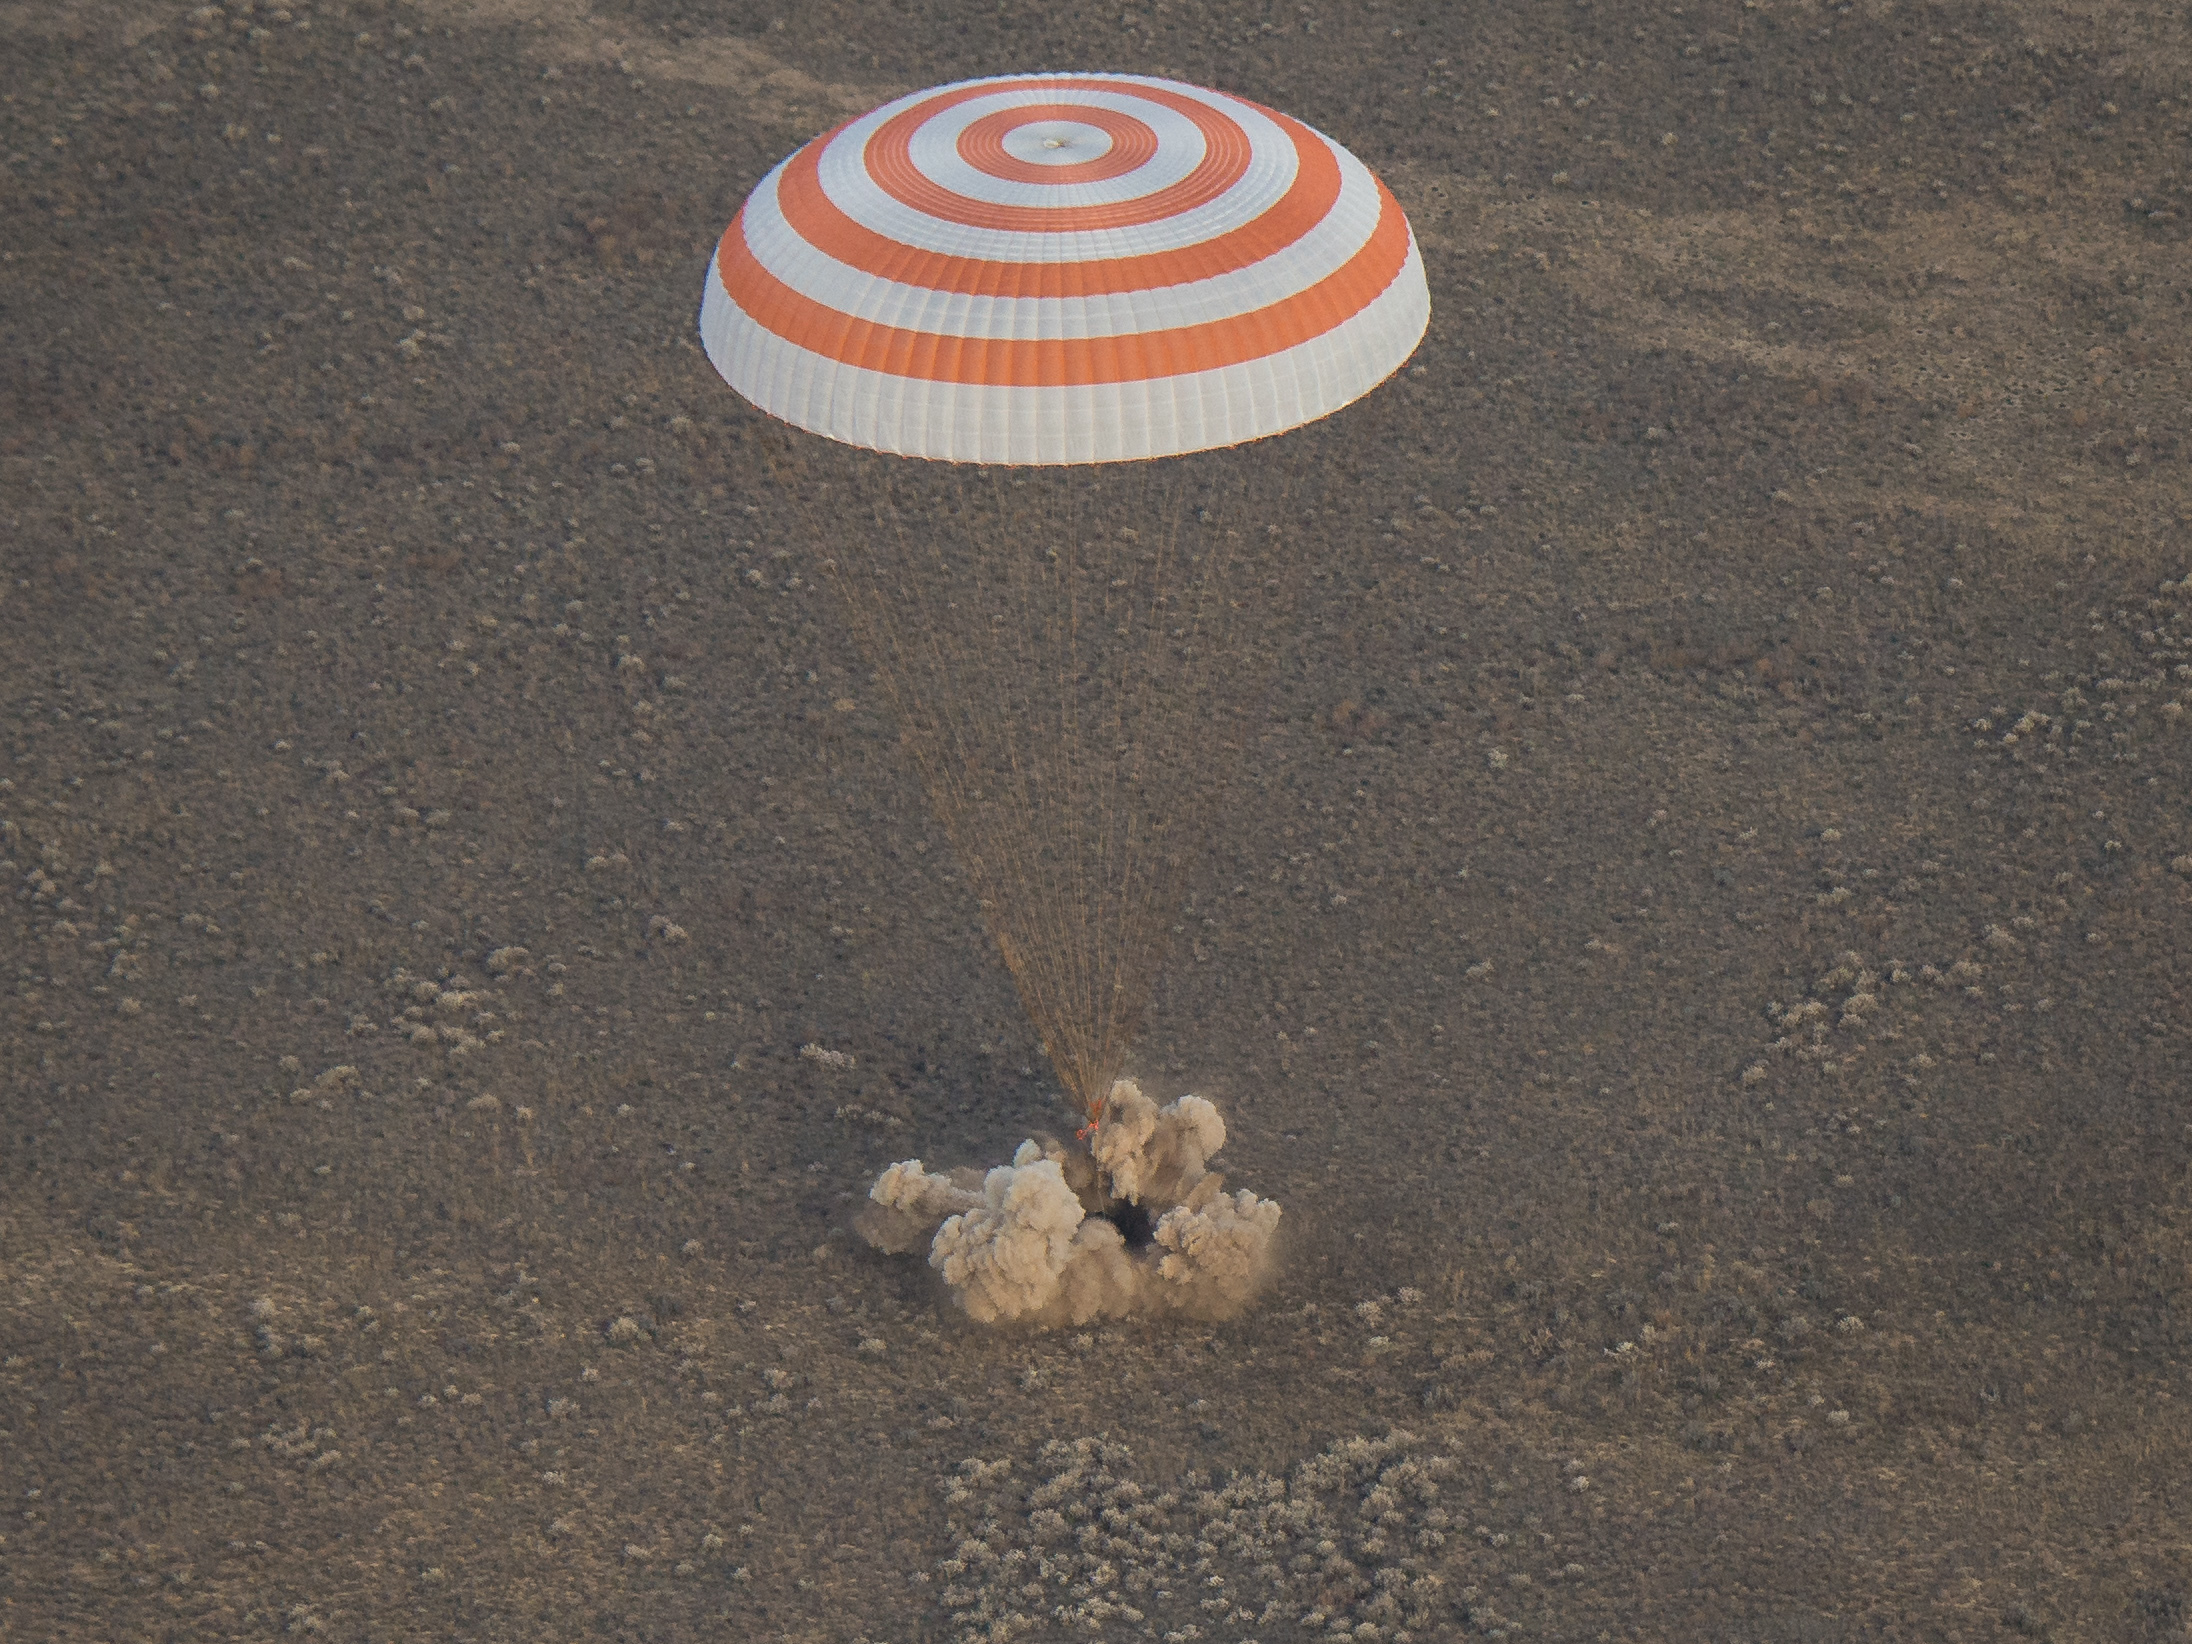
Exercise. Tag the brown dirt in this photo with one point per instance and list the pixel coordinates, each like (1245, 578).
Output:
(1803, 418)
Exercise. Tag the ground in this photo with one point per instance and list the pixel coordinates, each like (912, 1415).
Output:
(1701, 952)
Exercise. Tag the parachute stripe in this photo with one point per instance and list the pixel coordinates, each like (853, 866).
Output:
(1041, 300)
(889, 159)
(807, 207)
(844, 174)
(1117, 356)
(1132, 144)
(955, 274)
(1102, 422)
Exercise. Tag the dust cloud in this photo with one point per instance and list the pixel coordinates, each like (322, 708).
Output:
(1137, 1224)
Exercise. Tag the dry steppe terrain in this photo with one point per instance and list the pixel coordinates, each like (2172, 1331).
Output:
(1702, 947)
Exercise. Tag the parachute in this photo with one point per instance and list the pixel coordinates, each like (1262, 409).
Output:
(1033, 322)
(1064, 268)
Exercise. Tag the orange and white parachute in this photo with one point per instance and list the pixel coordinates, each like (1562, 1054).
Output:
(1064, 268)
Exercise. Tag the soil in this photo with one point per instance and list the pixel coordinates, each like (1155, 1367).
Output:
(1701, 954)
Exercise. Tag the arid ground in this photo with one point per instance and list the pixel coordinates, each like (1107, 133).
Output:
(1703, 953)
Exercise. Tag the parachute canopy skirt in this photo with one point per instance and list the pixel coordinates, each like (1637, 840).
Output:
(1064, 268)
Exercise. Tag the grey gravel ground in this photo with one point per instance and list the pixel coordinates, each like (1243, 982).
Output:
(1701, 953)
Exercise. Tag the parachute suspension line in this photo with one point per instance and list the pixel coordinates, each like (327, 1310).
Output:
(1071, 909)
(1052, 911)
(1144, 908)
(1067, 692)
(1023, 900)
(1060, 636)
(1067, 814)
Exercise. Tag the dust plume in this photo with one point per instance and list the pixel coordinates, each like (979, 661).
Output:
(1136, 1224)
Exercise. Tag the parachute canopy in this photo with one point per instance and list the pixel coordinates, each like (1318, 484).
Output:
(1063, 268)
